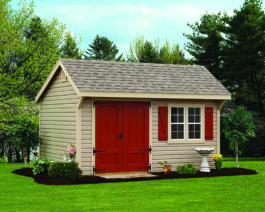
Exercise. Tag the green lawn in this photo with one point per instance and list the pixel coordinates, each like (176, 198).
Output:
(238, 193)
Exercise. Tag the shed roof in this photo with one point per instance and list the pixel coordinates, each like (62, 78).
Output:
(97, 77)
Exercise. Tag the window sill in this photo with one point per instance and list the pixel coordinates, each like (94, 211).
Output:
(186, 142)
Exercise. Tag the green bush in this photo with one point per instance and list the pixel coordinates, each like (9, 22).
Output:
(41, 165)
(56, 170)
(187, 169)
(72, 170)
(65, 170)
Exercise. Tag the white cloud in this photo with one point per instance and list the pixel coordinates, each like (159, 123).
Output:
(122, 23)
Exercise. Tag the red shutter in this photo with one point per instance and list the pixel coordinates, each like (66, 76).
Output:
(162, 123)
(208, 123)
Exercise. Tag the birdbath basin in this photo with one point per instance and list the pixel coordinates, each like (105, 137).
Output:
(204, 152)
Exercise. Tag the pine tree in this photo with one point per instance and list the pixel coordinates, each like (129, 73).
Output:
(102, 49)
(244, 56)
(69, 48)
(206, 42)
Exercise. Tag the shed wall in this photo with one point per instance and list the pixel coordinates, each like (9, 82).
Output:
(180, 153)
(86, 137)
(58, 118)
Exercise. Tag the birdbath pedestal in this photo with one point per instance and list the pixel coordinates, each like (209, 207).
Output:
(204, 152)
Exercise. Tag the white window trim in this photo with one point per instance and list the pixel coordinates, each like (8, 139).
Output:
(186, 137)
(194, 139)
(184, 124)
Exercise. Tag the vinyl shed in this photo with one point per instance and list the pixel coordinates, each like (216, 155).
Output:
(128, 116)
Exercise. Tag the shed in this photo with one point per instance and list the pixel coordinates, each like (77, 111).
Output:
(129, 116)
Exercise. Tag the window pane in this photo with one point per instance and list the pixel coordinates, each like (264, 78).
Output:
(174, 135)
(197, 127)
(197, 135)
(197, 119)
(191, 127)
(180, 118)
(191, 135)
(174, 127)
(197, 111)
(181, 127)
(173, 119)
(180, 110)
(180, 135)
(174, 110)
(191, 111)
(191, 119)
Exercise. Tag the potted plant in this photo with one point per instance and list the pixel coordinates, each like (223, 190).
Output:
(166, 167)
(217, 161)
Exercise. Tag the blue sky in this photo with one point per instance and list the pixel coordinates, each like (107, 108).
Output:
(122, 21)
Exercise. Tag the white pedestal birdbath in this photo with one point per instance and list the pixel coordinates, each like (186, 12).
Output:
(204, 152)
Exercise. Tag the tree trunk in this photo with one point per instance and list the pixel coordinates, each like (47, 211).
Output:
(236, 147)
(28, 154)
(25, 157)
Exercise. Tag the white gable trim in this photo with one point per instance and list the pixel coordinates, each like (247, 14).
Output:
(53, 72)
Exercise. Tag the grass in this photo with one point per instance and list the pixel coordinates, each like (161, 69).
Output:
(238, 193)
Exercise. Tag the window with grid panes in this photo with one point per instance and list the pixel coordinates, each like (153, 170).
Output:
(194, 123)
(178, 123)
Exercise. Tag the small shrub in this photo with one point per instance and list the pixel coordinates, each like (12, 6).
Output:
(187, 169)
(41, 165)
(56, 170)
(72, 171)
(65, 170)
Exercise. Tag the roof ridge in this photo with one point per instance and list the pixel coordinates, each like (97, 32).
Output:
(129, 63)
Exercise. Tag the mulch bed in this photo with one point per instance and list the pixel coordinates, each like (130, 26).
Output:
(91, 179)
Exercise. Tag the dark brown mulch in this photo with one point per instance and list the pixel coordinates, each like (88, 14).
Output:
(91, 179)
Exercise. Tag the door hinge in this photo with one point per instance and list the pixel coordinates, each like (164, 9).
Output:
(94, 169)
(147, 167)
(149, 150)
(95, 151)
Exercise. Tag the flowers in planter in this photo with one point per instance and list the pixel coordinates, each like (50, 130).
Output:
(166, 167)
(217, 161)
(69, 156)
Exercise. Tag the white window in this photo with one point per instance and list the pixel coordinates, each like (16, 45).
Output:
(178, 123)
(194, 123)
(185, 123)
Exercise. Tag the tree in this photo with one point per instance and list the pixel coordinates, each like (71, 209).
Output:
(244, 56)
(28, 50)
(144, 51)
(233, 49)
(102, 49)
(69, 48)
(206, 42)
(238, 127)
(25, 136)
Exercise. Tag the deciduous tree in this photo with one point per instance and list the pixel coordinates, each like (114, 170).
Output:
(238, 127)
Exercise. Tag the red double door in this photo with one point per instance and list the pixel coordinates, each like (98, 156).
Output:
(122, 136)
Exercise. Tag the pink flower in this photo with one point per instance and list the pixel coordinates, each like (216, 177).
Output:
(71, 150)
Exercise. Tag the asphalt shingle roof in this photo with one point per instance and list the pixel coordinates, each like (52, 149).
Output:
(142, 77)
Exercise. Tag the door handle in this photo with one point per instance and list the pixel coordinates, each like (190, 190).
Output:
(120, 136)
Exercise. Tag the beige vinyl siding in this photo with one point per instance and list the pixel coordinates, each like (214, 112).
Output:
(86, 136)
(180, 153)
(58, 118)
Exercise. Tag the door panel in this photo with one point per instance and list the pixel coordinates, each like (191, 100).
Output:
(131, 120)
(136, 136)
(108, 127)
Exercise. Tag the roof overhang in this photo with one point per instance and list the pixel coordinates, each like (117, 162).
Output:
(115, 94)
